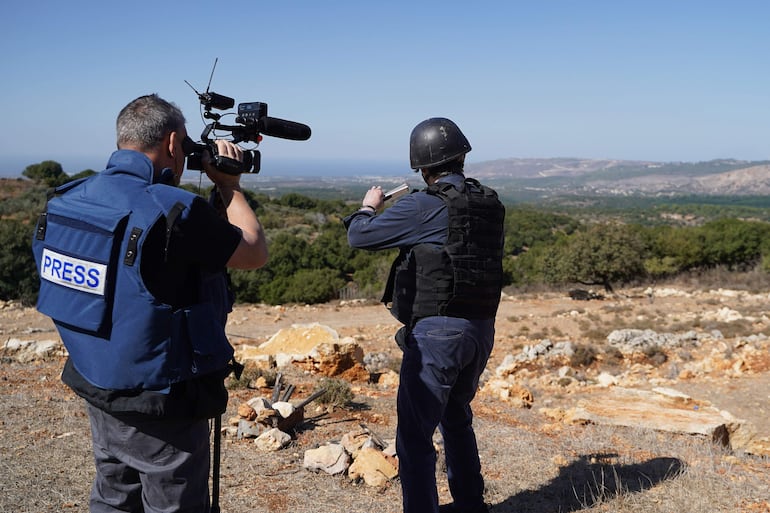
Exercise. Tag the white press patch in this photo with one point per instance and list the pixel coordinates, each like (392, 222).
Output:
(73, 272)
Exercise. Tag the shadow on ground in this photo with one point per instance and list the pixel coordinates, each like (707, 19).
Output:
(590, 480)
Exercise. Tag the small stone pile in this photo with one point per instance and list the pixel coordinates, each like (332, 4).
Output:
(268, 423)
(360, 454)
(317, 349)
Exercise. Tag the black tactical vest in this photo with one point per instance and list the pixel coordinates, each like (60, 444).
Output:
(462, 278)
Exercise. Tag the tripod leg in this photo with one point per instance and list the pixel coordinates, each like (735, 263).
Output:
(215, 465)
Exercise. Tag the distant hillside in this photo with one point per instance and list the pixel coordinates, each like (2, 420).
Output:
(564, 176)
(544, 180)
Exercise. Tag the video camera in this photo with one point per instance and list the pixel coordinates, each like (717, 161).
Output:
(252, 122)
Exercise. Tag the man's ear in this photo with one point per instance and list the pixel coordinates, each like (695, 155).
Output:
(169, 143)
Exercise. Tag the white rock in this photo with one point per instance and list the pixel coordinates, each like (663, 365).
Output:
(605, 379)
(272, 440)
(330, 458)
(259, 404)
(29, 350)
(284, 408)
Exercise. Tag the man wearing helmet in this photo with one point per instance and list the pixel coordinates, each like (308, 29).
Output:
(444, 286)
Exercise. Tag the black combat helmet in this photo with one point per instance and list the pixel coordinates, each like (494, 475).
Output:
(435, 141)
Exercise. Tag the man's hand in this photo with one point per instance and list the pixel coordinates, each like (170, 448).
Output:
(225, 149)
(374, 198)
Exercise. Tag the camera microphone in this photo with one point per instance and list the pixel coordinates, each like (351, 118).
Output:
(285, 129)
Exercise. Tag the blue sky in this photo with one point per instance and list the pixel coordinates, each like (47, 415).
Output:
(654, 80)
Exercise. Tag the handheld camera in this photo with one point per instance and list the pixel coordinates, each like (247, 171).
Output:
(251, 121)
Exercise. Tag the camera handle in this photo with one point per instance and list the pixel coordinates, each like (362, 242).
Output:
(228, 165)
(251, 158)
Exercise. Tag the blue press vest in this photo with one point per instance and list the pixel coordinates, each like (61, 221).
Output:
(88, 249)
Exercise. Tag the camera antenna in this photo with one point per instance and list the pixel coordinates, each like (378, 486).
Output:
(211, 100)
(211, 77)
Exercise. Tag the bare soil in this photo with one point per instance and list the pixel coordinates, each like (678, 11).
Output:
(531, 462)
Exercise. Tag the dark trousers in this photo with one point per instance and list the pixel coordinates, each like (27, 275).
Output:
(443, 359)
(149, 465)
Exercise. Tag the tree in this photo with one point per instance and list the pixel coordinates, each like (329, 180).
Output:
(733, 243)
(728, 242)
(288, 254)
(48, 172)
(525, 227)
(533, 265)
(604, 254)
(331, 250)
(669, 252)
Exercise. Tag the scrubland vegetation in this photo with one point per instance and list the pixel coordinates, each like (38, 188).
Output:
(567, 245)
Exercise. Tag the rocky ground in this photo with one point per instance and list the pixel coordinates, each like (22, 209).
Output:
(556, 362)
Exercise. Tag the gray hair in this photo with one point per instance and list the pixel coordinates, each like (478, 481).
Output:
(144, 122)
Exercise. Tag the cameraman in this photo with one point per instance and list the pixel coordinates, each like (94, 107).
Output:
(152, 368)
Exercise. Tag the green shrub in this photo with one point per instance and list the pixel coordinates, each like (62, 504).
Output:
(18, 273)
(337, 392)
(305, 286)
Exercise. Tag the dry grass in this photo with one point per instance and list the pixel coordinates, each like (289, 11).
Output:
(530, 464)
